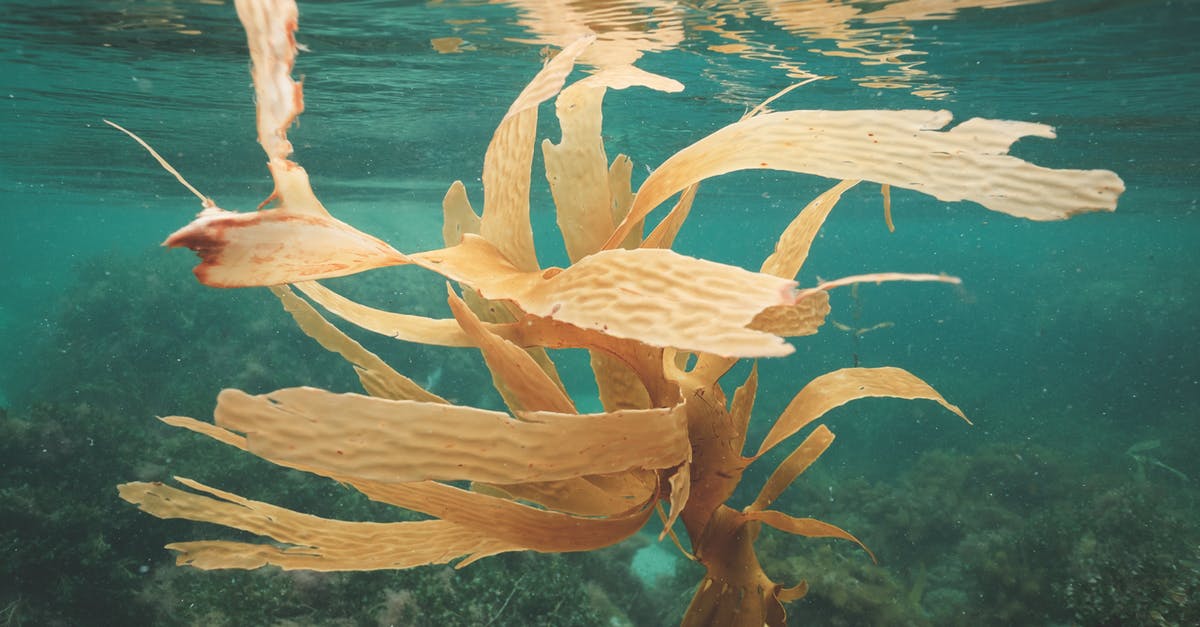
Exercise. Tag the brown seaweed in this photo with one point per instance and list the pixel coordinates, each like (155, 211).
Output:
(543, 477)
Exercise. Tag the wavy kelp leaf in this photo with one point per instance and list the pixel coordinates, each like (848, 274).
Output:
(618, 385)
(899, 148)
(807, 527)
(509, 158)
(792, 466)
(593, 495)
(615, 496)
(577, 170)
(655, 296)
(315, 543)
(378, 378)
(351, 435)
(531, 528)
(519, 379)
(839, 387)
(803, 317)
(791, 250)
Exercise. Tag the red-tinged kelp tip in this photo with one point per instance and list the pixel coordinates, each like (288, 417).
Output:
(274, 247)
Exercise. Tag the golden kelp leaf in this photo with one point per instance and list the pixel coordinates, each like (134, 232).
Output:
(617, 494)
(807, 527)
(577, 170)
(620, 185)
(618, 385)
(378, 378)
(314, 543)
(900, 148)
(839, 387)
(803, 317)
(663, 235)
(680, 481)
(351, 435)
(519, 379)
(509, 157)
(508, 521)
(741, 408)
(406, 327)
(655, 296)
(277, 246)
(581, 496)
(457, 215)
(800, 459)
(794, 243)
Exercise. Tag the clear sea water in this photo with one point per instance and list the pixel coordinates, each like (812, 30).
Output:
(1071, 345)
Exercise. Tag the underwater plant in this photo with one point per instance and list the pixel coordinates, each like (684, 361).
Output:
(661, 329)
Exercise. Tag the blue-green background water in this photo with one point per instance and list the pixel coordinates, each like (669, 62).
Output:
(1067, 343)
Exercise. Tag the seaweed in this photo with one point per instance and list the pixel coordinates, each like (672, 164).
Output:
(663, 329)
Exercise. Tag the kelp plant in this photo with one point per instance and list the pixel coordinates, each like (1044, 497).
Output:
(661, 329)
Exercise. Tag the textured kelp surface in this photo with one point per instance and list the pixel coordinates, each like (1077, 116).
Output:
(662, 329)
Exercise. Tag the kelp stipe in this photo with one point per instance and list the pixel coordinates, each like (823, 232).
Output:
(542, 476)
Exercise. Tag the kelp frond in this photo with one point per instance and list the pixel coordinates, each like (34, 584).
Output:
(661, 329)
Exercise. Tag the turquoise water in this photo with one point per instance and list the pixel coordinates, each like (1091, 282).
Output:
(1071, 345)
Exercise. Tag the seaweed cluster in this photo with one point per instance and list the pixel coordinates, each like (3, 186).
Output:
(661, 329)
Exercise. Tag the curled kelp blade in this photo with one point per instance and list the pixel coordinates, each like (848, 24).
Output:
(842, 386)
(794, 244)
(310, 542)
(406, 327)
(901, 148)
(357, 436)
(378, 378)
(522, 383)
(807, 527)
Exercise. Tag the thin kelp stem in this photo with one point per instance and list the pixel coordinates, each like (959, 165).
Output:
(204, 200)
